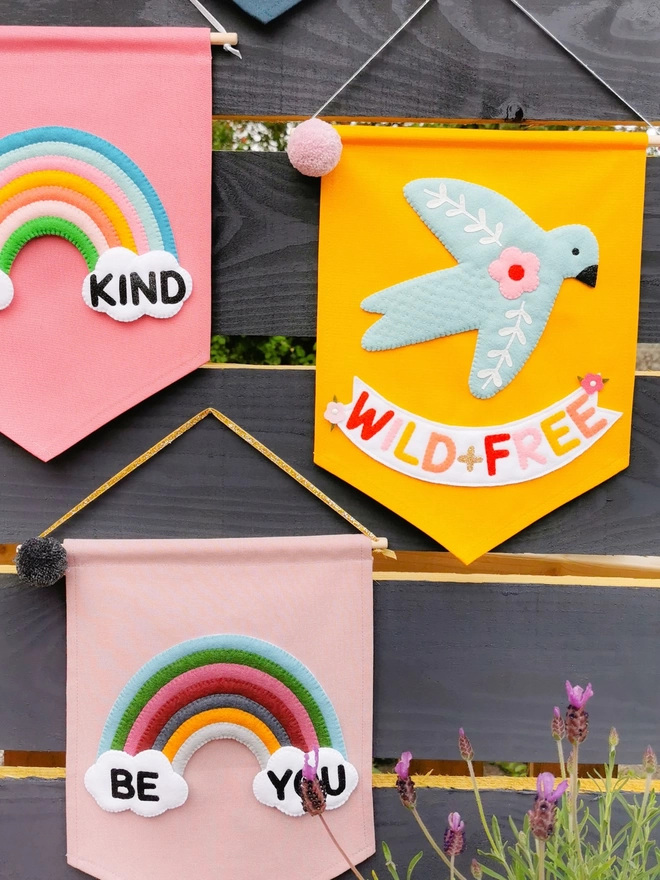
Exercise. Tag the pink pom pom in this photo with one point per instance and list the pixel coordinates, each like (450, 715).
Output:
(314, 148)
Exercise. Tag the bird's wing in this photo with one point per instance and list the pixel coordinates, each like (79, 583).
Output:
(438, 304)
(474, 223)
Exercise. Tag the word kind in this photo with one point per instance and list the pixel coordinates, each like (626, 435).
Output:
(465, 456)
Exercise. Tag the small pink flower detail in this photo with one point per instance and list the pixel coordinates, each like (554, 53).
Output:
(592, 383)
(335, 412)
(517, 272)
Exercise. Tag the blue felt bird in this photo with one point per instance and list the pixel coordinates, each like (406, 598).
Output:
(505, 285)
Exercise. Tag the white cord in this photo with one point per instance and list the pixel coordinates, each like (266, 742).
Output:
(370, 59)
(216, 24)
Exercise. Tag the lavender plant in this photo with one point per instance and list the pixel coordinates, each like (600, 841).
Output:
(563, 837)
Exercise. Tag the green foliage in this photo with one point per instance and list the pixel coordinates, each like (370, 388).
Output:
(513, 768)
(255, 136)
(263, 350)
(391, 867)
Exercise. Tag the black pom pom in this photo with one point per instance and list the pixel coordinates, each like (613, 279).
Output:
(41, 561)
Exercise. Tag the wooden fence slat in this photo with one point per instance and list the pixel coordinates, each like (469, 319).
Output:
(265, 234)
(33, 836)
(209, 483)
(489, 657)
(467, 60)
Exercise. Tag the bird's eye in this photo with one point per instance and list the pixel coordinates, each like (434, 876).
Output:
(576, 251)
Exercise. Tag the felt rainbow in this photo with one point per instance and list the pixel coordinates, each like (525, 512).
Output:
(72, 184)
(222, 687)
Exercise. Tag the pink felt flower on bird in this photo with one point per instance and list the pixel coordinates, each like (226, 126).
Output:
(335, 412)
(577, 697)
(592, 383)
(516, 272)
(545, 787)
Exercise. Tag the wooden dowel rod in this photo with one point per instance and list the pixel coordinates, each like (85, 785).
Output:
(220, 39)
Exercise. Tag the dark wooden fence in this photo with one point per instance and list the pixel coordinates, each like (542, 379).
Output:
(451, 650)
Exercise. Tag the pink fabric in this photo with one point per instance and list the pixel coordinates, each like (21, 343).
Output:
(189, 679)
(129, 600)
(66, 370)
(87, 172)
(53, 209)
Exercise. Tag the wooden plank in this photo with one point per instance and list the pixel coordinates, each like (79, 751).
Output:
(489, 657)
(210, 483)
(467, 60)
(265, 230)
(33, 810)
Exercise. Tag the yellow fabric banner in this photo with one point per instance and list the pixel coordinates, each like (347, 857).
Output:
(477, 327)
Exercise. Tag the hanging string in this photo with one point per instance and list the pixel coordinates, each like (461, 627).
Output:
(532, 18)
(371, 58)
(379, 544)
(216, 24)
(583, 64)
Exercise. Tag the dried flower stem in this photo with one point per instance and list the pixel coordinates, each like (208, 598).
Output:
(540, 852)
(336, 843)
(562, 763)
(452, 870)
(480, 807)
(427, 834)
(574, 798)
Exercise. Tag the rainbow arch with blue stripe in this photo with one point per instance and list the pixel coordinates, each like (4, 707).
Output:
(70, 183)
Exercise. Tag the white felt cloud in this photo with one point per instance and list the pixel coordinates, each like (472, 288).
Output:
(144, 783)
(278, 785)
(126, 286)
(6, 290)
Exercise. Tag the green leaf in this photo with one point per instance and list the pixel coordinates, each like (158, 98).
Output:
(411, 866)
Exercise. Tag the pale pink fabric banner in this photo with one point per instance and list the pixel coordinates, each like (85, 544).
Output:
(181, 654)
(109, 132)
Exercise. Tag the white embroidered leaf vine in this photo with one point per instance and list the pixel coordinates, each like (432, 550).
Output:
(479, 223)
(492, 374)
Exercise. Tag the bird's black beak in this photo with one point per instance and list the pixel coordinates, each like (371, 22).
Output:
(588, 276)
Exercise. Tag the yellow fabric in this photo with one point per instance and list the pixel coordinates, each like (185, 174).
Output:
(370, 239)
(78, 184)
(215, 716)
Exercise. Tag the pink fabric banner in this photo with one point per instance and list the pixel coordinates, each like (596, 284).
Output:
(105, 170)
(200, 673)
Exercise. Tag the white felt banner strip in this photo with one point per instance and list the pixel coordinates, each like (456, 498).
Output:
(454, 455)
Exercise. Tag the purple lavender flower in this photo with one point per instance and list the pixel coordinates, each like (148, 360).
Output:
(476, 870)
(650, 761)
(454, 841)
(311, 790)
(543, 815)
(577, 697)
(577, 718)
(404, 781)
(558, 728)
(545, 783)
(402, 768)
(465, 746)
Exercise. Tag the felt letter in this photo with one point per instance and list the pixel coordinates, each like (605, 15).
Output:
(123, 296)
(391, 434)
(493, 454)
(297, 783)
(580, 418)
(341, 780)
(400, 450)
(97, 290)
(448, 460)
(527, 451)
(553, 434)
(280, 784)
(121, 784)
(151, 292)
(165, 275)
(366, 418)
(144, 786)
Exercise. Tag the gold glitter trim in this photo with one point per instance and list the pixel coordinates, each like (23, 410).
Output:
(380, 544)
